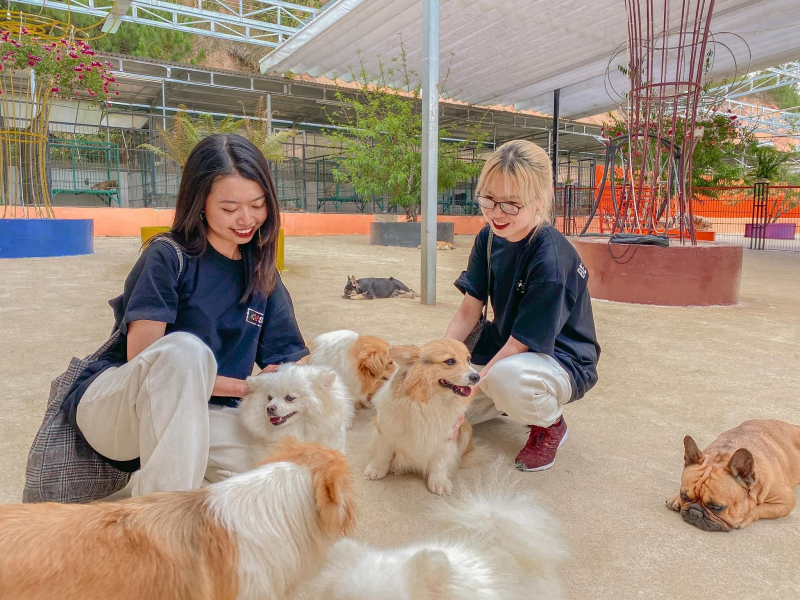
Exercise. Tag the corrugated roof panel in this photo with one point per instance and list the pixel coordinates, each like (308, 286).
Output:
(516, 52)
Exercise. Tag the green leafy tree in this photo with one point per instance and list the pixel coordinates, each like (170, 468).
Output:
(259, 132)
(765, 163)
(380, 133)
(186, 132)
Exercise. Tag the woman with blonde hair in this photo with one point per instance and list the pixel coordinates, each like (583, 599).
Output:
(540, 351)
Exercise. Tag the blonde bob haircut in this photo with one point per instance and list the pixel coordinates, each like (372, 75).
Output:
(526, 173)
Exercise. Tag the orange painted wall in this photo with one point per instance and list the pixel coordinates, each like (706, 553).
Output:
(731, 203)
(129, 221)
(117, 221)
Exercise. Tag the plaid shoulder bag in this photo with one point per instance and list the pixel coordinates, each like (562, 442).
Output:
(472, 338)
(62, 466)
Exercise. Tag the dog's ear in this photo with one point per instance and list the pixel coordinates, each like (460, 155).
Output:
(333, 491)
(331, 478)
(742, 467)
(253, 383)
(325, 379)
(429, 571)
(404, 355)
(371, 360)
(353, 280)
(691, 453)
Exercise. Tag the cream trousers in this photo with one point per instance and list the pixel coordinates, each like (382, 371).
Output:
(155, 407)
(529, 387)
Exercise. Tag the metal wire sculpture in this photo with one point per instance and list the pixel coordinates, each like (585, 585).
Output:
(650, 165)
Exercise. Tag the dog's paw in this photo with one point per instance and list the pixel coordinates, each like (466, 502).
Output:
(674, 503)
(442, 487)
(372, 472)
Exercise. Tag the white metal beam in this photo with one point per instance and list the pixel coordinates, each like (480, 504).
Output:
(245, 22)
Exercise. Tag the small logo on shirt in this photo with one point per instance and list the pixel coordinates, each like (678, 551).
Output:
(521, 286)
(254, 317)
(582, 271)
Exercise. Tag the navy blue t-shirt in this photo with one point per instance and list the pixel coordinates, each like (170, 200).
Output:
(540, 297)
(204, 301)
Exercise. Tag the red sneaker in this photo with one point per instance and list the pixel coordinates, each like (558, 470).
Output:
(539, 453)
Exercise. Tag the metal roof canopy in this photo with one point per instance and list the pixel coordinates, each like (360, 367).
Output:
(515, 52)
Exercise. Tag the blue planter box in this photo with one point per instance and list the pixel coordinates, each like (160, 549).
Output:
(33, 238)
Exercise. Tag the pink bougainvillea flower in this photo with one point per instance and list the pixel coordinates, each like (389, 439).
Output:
(54, 89)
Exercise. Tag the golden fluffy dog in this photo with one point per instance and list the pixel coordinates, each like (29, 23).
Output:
(419, 424)
(256, 535)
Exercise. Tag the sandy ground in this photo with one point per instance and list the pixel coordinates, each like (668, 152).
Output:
(664, 372)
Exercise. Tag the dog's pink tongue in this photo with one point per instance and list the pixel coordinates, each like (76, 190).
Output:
(467, 391)
(274, 420)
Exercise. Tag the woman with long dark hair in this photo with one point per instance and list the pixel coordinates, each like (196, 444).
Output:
(201, 305)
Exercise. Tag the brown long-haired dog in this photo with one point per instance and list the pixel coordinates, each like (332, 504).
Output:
(362, 361)
(419, 424)
(259, 534)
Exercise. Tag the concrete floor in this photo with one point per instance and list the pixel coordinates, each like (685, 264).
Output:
(664, 372)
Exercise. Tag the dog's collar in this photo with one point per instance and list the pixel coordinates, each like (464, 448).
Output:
(456, 426)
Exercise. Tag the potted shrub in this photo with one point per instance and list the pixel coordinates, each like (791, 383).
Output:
(33, 73)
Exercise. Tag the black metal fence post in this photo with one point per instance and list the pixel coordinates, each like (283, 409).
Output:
(758, 221)
(568, 208)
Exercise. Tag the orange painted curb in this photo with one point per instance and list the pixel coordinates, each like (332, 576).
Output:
(129, 221)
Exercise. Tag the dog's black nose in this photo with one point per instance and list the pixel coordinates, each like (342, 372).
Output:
(696, 511)
(271, 409)
(474, 378)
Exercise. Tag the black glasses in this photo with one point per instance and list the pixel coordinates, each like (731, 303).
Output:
(489, 204)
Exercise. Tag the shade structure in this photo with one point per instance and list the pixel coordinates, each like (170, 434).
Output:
(517, 52)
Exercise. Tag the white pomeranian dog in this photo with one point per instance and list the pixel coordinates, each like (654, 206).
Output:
(420, 422)
(494, 545)
(310, 404)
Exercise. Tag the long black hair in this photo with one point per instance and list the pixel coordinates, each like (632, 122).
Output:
(217, 156)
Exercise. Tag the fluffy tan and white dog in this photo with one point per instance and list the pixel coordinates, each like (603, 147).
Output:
(496, 545)
(363, 361)
(260, 534)
(310, 404)
(419, 423)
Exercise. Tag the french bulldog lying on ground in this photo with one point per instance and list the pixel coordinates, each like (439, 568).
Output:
(747, 473)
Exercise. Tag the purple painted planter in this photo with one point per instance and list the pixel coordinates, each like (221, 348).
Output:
(774, 231)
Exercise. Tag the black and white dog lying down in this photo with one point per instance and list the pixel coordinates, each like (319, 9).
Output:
(369, 288)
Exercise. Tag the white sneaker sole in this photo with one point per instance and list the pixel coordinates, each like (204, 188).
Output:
(521, 467)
